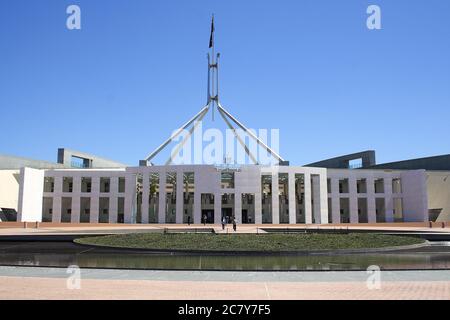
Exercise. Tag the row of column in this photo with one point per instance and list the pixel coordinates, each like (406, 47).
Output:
(318, 193)
(353, 196)
(76, 199)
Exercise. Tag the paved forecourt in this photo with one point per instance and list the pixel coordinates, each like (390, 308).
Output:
(54, 283)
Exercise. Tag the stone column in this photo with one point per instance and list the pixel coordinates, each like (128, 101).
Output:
(275, 199)
(75, 216)
(56, 216)
(353, 195)
(323, 198)
(371, 206)
(308, 207)
(258, 207)
(180, 199)
(114, 190)
(93, 218)
(58, 188)
(316, 198)
(145, 197)
(130, 198)
(217, 208)
(113, 203)
(238, 207)
(291, 197)
(197, 205)
(162, 198)
(335, 201)
(389, 199)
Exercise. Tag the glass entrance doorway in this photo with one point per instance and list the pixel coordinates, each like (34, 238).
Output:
(208, 216)
(228, 214)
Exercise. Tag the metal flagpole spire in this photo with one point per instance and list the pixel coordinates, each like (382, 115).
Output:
(212, 101)
(213, 71)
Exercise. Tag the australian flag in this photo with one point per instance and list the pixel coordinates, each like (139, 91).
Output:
(211, 38)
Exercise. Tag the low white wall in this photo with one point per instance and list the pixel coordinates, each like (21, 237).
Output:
(9, 189)
(415, 201)
(438, 184)
(30, 195)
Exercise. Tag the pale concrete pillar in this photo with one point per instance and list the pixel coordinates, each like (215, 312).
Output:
(353, 201)
(320, 206)
(258, 208)
(335, 202)
(93, 218)
(197, 206)
(145, 197)
(291, 197)
(315, 187)
(275, 199)
(114, 190)
(238, 206)
(114, 185)
(58, 187)
(113, 202)
(162, 198)
(130, 198)
(180, 199)
(56, 216)
(323, 198)
(217, 208)
(75, 216)
(308, 207)
(371, 206)
(389, 199)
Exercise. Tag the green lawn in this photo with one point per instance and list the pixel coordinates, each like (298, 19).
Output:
(250, 242)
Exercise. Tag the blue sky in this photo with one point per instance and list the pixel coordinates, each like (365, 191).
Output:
(137, 70)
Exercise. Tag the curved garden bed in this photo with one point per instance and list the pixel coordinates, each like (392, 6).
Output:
(251, 243)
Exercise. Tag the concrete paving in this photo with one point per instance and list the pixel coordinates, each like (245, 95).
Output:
(54, 283)
(251, 229)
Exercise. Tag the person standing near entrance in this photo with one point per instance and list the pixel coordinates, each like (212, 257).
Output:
(204, 219)
(234, 224)
(224, 222)
(189, 220)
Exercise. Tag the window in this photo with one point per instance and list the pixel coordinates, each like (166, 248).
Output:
(171, 196)
(396, 185)
(120, 209)
(121, 184)
(104, 209)
(398, 210)
(49, 184)
(104, 185)
(283, 197)
(67, 184)
(86, 185)
(379, 186)
(361, 186)
(266, 198)
(153, 198)
(227, 179)
(343, 186)
(355, 163)
(85, 209)
(188, 196)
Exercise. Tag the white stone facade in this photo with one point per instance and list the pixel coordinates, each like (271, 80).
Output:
(250, 194)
